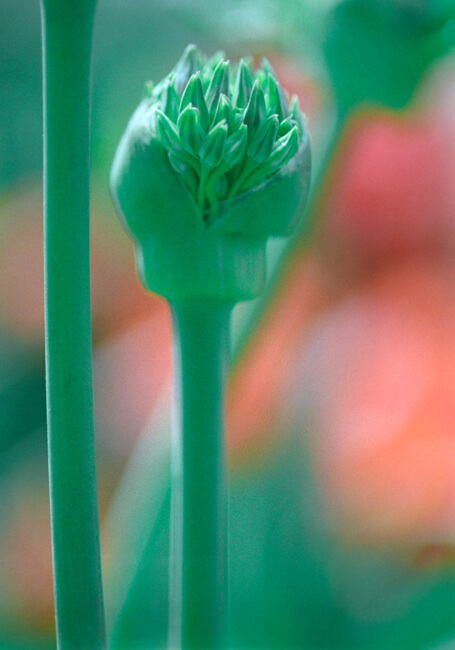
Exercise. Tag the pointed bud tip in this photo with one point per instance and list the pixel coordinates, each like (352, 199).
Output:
(267, 67)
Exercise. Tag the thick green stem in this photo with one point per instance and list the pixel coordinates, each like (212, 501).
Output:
(199, 508)
(67, 36)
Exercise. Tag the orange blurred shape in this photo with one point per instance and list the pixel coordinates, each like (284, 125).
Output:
(379, 382)
(117, 298)
(435, 556)
(27, 564)
(131, 368)
(255, 388)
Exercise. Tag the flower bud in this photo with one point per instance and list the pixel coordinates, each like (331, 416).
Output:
(213, 147)
(261, 147)
(171, 101)
(277, 98)
(186, 67)
(194, 94)
(190, 129)
(235, 148)
(209, 167)
(219, 84)
(224, 111)
(285, 149)
(243, 85)
(168, 132)
(255, 112)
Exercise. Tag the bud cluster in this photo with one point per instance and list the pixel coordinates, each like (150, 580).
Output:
(224, 133)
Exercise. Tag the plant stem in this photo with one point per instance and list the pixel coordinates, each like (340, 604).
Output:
(199, 500)
(67, 36)
(205, 173)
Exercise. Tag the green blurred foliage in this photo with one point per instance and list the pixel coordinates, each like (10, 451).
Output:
(20, 96)
(377, 51)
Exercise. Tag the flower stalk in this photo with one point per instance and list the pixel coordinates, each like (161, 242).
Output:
(67, 36)
(198, 581)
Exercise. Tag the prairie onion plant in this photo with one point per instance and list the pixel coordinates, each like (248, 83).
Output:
(224, 132)
(209, 167)
(211, 164)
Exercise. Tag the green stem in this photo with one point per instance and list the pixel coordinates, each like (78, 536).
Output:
(212, 180)
(67, 37)
(248, 167)
(199, 508)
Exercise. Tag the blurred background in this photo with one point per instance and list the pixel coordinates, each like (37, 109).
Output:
(341, 401)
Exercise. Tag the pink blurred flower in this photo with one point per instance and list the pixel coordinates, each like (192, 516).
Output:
(392, 189)
(378, 383)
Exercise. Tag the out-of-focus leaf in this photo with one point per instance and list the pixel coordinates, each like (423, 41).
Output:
(378, 51)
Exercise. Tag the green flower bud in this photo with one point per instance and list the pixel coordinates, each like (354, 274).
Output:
(170, 101)
(194, 94)
(186, 67)
(277, 99)
(285, 126)
(297, 116)
(256, 110)
(207, 170)
(212, 149)
(219, 84)
(235, 148)
(169, 134)
(243, 85)
(262, 145)
(267, 67)
(285, 149)
(190, 129)
(224, 111)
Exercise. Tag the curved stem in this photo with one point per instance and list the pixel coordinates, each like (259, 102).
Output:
(199, 501)
(252, 178)
(191, 161)
(67, 36)
(248, 168)
(212, 180)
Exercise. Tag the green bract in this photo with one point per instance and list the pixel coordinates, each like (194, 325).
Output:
(212, 163)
